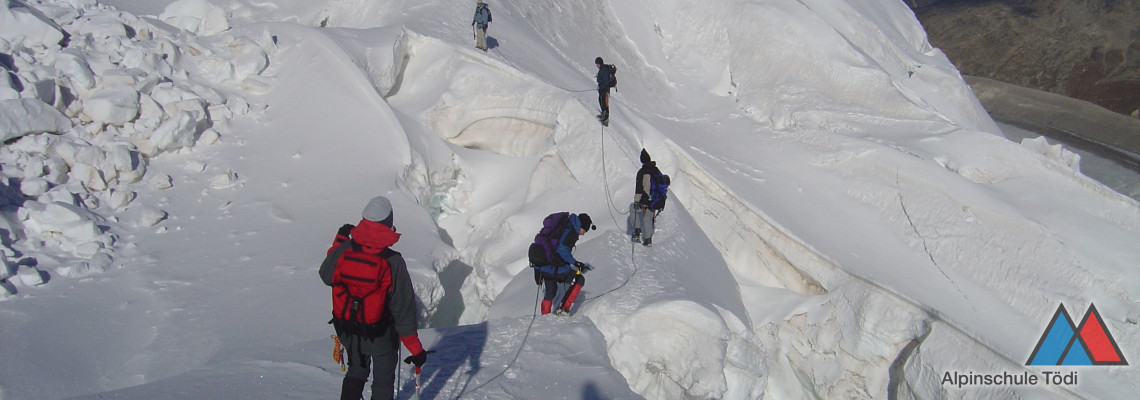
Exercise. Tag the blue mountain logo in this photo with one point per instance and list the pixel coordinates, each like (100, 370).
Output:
(1064, 343)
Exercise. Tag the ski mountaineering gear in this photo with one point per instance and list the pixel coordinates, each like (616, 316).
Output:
(374, 303)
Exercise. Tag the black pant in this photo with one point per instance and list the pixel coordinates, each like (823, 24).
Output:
(568, 279)
(551, 282)
(604, 101)
(383, 370)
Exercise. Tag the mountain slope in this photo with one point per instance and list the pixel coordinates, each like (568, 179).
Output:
(844, 221)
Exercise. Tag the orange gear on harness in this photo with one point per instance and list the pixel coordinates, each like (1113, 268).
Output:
(338, 352)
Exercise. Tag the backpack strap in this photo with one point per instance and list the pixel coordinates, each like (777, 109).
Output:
(387, 255)
(329, 264)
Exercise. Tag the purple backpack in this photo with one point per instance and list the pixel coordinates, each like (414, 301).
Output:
(541, 252)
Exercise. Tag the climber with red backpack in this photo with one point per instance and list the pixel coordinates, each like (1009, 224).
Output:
(553, 261)
(374, 304)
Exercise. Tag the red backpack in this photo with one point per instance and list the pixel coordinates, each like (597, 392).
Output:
(361, 284)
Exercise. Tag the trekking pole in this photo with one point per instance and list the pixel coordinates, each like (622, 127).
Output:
(417, 378)
(417, 384)
(398, 373)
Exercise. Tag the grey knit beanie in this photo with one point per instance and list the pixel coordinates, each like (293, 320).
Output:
(379, 209)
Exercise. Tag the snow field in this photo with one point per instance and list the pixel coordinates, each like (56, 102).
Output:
(551, 176)
(83, 123)
(843, 223)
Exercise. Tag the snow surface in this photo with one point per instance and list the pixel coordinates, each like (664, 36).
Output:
(845, 219)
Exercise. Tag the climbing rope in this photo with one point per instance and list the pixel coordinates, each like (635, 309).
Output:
(611, 209)
(633, 262)
(606, 180)
(533, 316)
(538, 295)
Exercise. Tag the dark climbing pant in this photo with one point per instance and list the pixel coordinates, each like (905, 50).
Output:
(604, 102)
(553, 281)
(383, 372)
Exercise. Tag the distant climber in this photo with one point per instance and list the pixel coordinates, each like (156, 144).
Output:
(373, 302)
(480, 22)
(552, 259)
(641, 217)
(607, 79)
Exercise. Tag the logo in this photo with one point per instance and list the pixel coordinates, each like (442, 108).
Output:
(1089, 343)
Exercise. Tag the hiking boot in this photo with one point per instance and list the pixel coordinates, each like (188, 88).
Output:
(636, 238)
(562, 312)
(648, 242)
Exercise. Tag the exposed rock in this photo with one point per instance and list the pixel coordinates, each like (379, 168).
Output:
(1089, 50)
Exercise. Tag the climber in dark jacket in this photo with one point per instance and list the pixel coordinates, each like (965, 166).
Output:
(605, 82)
(641, 218)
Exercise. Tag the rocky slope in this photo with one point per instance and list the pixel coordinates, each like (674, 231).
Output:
(1089, 50)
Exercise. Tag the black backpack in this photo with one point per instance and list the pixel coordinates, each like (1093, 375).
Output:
(613, 75)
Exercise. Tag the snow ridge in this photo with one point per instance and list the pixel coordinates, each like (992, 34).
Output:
(844, 221)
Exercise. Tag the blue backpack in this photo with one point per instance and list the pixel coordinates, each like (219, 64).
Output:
(658, 190)
(541, 252)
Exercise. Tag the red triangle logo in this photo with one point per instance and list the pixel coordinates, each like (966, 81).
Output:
(1101, 346)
